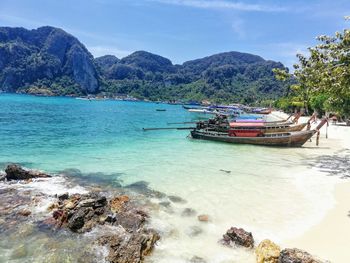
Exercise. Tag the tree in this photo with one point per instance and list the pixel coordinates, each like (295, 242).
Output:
(323, 77)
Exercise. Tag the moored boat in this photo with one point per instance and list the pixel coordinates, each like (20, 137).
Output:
(289, 139)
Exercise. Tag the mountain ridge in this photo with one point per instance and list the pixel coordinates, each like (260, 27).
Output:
(51, 61)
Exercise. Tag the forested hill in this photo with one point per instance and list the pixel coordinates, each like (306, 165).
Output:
(230, 76)
(50, 61)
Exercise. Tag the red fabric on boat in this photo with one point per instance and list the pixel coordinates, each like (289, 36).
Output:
(245, 133)
(246, 124)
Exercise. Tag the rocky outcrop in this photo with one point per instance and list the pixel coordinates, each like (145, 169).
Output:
(294, 255)
(16, 172)
(238, 236)
(129, 247)
(267, 252)
(39, 58)
(81, 213)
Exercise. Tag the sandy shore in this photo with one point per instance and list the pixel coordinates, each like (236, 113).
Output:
(330, 239)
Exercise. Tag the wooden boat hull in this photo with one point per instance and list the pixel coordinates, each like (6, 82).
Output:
(292, 139)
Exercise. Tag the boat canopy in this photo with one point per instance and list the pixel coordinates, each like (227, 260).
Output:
(246, 124)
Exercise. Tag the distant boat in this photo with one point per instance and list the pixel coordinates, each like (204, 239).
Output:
(81, 98)
(160, 109)
(203, 111)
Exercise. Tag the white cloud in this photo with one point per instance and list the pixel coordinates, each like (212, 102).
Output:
(98, 51)
(222, 4)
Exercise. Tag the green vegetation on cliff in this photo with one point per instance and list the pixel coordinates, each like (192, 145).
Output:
(50, 61)
(230, 76)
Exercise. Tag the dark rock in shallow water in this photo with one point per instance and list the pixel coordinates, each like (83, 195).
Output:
(239, 237)
(165, 204)
(176, 199)
(77, 221)
(196, 259)
(130, 220)
(128, 239)
(141, 187)
(188, 212)
(16, 172)
(63, 197)
(294, 255)
(194, 231)
(127, 248)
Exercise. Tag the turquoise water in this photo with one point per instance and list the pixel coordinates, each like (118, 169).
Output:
(105, 138)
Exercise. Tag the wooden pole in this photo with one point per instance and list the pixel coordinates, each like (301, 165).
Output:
(175, 128)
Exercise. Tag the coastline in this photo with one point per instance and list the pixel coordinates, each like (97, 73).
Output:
(328, 238)
(333, 230)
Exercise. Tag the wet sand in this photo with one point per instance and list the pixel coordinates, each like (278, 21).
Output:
(330, 239)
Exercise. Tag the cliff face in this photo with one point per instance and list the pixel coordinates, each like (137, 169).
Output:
(48, 58)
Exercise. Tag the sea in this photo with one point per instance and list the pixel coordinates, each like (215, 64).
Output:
(275, 193)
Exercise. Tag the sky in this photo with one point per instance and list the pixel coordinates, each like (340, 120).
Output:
(183, 30)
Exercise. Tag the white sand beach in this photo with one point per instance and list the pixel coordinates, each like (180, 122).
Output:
(330, 238)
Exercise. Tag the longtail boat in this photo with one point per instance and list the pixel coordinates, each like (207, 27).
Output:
(251, 128)
(290, 139)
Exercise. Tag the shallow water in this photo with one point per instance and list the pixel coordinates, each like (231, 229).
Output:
(265, 190)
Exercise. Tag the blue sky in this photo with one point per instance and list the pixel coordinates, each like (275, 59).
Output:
(182, 30)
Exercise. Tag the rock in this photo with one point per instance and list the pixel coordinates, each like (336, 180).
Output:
(16, 172)
(132, 248)
(196, 259)
(188, 212)
(267, 252)
(24, 212)
(203, 218)
(70, 204)
(165, 204)
(130, 220)
(63, 197)
(239, 237)
(52, 206)
(77, 221)
(86, 203)
(118, 202)
(294, 255)
(142, 188)
(100, 201)
(194, 231)
(176, 199)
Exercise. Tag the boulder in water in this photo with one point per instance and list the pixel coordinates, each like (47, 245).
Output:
(294, 255)
(204, 218)
(188, 212)
(238, 236)
(267, 252)
(132, 247)
(16, 172)
(118, 202)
